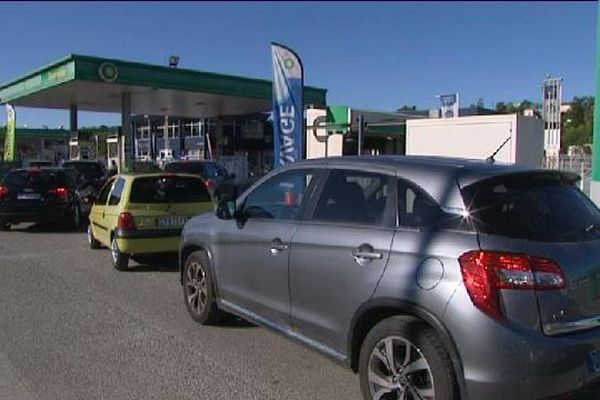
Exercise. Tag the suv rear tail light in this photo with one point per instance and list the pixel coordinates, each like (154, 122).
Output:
(486, 272)
(126, 221)
(61, 192)
(3, 192)
(209, 184)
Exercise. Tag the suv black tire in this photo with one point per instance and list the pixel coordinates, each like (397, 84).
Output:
(120, 260)
(199, 290)
(92, 242)
(75, 222)
(426, 344)
(4, 226)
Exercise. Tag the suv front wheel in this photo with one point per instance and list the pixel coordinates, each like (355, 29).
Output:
(402, 359)
(198, 289)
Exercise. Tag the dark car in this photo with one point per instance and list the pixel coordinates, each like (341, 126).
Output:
(42, 195)
(434, 278)
(220, 182)
(90, 172)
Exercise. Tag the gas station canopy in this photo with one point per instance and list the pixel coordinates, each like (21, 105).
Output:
(98, 84)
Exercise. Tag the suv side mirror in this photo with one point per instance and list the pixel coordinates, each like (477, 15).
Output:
(226, 209)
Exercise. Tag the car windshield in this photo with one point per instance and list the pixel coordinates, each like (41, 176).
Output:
(169, 189)
(532, 208)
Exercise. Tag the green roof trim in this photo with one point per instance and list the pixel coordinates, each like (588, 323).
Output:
(87, 68)
(40, 133)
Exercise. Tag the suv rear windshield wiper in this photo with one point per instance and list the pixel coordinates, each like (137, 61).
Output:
(592, 227)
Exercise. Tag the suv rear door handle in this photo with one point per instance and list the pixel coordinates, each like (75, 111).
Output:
(365, 254)
(278, 246)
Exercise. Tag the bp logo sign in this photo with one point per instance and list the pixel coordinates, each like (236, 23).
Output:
(288, 63)
(108, 72)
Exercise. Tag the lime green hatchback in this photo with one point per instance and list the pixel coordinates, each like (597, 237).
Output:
(145, 213)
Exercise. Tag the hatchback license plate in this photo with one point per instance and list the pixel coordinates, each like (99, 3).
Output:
(168, 222)
(593, 362)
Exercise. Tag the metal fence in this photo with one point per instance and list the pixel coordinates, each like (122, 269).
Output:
(580, 164)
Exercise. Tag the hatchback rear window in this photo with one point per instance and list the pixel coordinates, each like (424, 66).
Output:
(168, 189)
(539, 208)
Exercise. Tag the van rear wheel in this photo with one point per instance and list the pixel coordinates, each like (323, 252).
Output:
(402, 359)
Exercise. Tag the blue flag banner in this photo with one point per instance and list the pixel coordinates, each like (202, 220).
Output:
(288, 106)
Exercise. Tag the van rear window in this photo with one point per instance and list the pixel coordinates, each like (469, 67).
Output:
(532, 207)
(168, 189)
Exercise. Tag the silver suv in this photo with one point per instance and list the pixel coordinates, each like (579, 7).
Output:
(432, 278)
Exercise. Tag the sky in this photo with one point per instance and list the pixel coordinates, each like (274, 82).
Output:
(368, 55)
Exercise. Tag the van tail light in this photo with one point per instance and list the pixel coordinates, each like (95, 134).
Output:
(485, 273)
(209, 184)
(126, 221)
(61, 192)
(3, 192)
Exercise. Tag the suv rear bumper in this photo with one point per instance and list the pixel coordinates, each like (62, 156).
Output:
(508, 361)
(51, 213)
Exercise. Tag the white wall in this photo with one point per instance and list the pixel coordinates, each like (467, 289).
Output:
(477, 137)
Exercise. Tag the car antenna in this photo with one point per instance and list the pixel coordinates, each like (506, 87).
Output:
(490, 159)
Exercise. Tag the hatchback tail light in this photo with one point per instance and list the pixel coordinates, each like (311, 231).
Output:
(126, 221)
(3, 192)
(486, 272)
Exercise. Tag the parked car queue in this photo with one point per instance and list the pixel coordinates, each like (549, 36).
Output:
(432, 278)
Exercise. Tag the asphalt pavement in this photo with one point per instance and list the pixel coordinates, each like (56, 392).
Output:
(72, 327)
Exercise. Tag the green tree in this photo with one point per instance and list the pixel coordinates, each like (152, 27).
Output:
(578, 122)
(407, 108)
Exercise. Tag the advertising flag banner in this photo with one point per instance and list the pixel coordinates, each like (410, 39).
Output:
(9, 138)
(288, 106)
(449, 105)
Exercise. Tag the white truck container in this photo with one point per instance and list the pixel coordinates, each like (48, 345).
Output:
(478, 137)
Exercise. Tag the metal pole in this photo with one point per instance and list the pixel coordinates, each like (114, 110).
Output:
(360, 133)
(595, 182)
(127, 132)
(73, 128)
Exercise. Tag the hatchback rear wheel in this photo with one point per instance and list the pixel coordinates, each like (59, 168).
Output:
(401, 359)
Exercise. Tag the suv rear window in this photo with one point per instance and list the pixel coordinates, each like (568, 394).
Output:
(86, 169)
(539, 208)
(31, 179)
(206, 169)
(168, 189)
